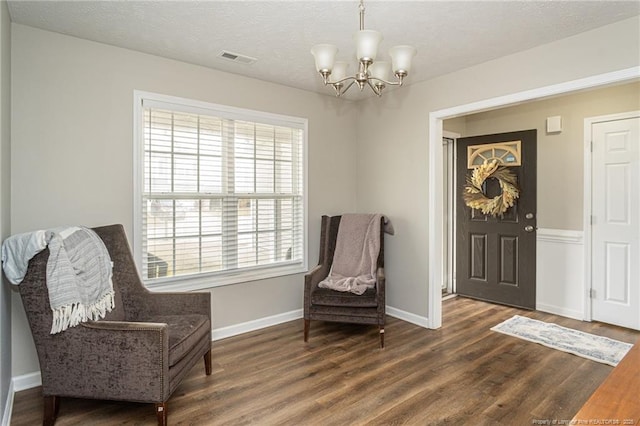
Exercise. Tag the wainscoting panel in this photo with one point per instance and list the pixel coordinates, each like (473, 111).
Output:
(560, 272)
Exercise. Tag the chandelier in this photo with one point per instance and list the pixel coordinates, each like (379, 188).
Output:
(372, 73)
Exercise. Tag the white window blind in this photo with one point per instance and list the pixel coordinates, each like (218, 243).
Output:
(220, 195)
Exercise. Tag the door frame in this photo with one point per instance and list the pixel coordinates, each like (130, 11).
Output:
(587, 225)
(436, 196)
(449, 212)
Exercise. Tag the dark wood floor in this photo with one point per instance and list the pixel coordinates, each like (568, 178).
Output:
(462, 373)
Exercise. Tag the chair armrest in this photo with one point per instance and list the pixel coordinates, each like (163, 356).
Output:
(311, 281)
(110, 360)
(380, 280)
(380, 290)
(314, 276)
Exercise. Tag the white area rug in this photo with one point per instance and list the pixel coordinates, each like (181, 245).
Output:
(596, 348)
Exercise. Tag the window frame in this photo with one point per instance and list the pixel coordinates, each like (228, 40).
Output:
(205, 280)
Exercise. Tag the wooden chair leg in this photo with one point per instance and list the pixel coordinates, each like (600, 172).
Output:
(381, 337)
(207, 363)
(51, 409)
(161, 413)
(306, 329)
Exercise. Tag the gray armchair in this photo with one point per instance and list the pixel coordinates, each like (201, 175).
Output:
(329, 305)
(140, 351)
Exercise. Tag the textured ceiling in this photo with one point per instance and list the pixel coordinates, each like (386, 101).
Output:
(449, 35)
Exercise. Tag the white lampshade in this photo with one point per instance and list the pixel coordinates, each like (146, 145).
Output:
(325, 55)
(367, 44)
(380, 70)
(401, 57)
(339, 71)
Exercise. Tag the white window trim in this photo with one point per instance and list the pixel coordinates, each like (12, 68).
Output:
(223, 278)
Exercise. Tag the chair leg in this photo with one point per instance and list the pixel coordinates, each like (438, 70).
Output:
(381, 337)
(306, 329)
(51, 408)
(207, 363)
(161, 413)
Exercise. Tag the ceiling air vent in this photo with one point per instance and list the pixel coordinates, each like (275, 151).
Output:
(236, 57)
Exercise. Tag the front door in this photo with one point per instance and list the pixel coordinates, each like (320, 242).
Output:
(496, 253)
(615, 229)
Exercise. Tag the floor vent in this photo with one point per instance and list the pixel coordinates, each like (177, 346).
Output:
(236, 57)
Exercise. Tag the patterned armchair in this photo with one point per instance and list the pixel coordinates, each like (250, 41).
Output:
(329, 305)
(140, 351)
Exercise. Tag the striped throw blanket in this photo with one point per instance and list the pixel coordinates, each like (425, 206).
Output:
(79, 272)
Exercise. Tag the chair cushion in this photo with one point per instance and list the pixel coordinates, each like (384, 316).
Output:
(328, 297)
(185, 331)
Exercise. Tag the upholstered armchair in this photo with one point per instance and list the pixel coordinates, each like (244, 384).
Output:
(139, 352)
(325, 304)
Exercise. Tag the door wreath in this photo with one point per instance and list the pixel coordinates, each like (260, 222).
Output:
(475, 197)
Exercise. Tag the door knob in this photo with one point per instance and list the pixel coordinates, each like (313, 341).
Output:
(528, 216)
(529, 228)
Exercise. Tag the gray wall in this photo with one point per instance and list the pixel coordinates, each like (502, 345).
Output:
(393, 135)
(5, 199)
(72, 152)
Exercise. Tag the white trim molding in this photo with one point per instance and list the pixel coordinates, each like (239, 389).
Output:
(26, 381)
(8, 408)
(246, 327)
(562, 236)
(408, 316)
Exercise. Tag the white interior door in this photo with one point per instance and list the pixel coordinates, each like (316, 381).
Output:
(615, 231)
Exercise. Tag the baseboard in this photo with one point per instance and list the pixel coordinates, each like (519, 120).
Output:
(17, 384)
(449, 296)
(245, 327)
(26, 381)
(8, 408)
(408, 317)
(559, 310)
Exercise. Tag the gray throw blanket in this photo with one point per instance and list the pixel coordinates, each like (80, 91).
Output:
(356, 254)
(79, 272)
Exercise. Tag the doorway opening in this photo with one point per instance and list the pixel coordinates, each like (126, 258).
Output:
(437, 222)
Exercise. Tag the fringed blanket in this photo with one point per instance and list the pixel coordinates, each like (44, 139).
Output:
(79, 272)
(356, 254)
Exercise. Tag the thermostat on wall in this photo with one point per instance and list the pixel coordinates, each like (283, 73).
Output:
(554, 124)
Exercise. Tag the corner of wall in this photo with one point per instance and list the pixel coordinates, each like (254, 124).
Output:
(6, 389)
